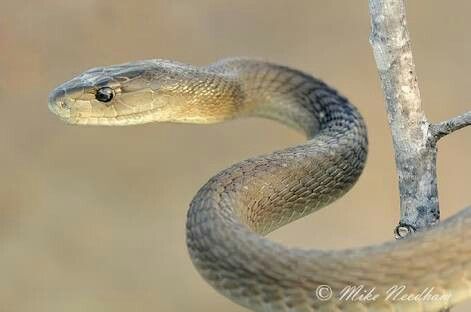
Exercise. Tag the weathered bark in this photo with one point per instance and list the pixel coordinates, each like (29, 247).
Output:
(414, 137)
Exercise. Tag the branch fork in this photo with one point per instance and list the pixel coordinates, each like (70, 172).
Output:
(414, 137)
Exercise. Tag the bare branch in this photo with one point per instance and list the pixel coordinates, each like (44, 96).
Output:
(446, 127)
(415, 156)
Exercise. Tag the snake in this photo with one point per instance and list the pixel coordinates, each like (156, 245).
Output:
(230, 216)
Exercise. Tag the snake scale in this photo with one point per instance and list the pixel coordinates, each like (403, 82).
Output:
(232, 212)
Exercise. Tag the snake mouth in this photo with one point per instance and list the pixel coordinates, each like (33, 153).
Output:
(70, 116)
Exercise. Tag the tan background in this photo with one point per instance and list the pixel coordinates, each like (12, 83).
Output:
(92, 219)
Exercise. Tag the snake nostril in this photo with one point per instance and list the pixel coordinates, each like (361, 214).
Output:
(62, 105)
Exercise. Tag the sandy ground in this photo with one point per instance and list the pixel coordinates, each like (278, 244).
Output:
(92, 219)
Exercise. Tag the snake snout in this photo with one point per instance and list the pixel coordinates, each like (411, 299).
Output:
(58, 105)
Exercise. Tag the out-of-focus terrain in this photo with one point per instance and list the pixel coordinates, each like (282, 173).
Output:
(92, 219)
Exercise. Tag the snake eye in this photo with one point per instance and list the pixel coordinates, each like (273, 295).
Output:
(104, 94)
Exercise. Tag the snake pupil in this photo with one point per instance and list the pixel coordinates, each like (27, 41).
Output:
(104, 94)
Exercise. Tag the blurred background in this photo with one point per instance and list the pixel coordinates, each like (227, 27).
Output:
(92, 219)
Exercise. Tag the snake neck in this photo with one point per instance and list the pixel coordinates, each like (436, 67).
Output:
(286, 95)
(233, 210)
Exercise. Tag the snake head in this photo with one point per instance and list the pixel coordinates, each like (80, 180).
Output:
(125, 94)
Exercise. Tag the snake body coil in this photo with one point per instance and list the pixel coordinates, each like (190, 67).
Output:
(232, 211)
